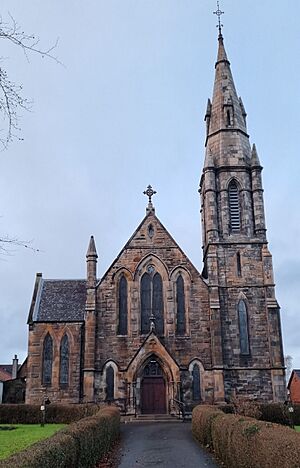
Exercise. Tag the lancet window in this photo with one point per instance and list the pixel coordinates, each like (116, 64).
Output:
(47, 360)
(64, 362)
(196, 383)
(243, 328)
(180, 302)
(123, 306)
(110, 383)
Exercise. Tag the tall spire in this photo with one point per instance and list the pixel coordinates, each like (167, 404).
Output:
(225, 115)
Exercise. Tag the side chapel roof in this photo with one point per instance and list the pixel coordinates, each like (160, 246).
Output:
(58, 300)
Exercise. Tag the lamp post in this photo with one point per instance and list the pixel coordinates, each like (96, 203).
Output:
(290, 410)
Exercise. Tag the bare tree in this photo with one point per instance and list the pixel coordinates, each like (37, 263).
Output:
(11, 94)
(12, 100)
(8, 245)
(288, 362)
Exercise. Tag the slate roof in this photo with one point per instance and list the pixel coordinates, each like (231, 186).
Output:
(5, 372)
(60, 301)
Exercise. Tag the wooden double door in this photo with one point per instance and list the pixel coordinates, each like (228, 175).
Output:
(153, 388)
(153, 395)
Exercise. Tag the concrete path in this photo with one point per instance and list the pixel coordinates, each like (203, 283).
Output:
(161, 444)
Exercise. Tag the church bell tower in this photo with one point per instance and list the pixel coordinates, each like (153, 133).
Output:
(245, 320)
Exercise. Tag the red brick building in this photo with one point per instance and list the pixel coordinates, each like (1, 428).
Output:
(294, 386)
(153, 329)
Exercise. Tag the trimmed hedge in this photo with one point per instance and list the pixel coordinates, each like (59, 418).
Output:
(31, 414)
(80, 445)
(246, 442)
(201, 423)
(271, 412)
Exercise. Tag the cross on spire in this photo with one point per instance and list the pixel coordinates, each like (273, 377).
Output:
(219, 13)
(149, 192)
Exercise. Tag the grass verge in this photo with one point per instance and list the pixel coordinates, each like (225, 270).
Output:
(12, 441)
(297, 428)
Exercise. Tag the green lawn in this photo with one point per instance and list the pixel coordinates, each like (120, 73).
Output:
(297, 428)
(25, 435)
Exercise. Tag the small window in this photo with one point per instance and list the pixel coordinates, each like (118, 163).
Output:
(47, 360)
(196, 383)
(150, 231)
(243, 328)
(234, 207)
(238, 264)
(110, 383)
(228, 118)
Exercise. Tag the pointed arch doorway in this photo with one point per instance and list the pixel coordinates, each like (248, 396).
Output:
(153, 388)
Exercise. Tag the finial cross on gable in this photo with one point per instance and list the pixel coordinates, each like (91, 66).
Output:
(149, 192)
(219, 13)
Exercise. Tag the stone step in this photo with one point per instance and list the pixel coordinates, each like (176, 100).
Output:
(141, 418)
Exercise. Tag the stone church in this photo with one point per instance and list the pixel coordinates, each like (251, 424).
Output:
(154, 332)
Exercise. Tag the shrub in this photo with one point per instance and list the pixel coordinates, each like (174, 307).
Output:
(245, 442)
(296, 415)
(31, 414)
(82, 444)
(246, 407)
(201, 423)
(272, 412)
(275, 412)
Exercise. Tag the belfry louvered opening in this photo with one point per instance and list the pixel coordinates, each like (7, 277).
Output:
(234, 207)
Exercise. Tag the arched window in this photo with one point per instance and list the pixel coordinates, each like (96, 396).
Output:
(196, 383)
(234, 207)
(123, 311)
(243, 327)
(110, 383)
(152, 302)
(47, 360)
(180, 300)
(64, 362)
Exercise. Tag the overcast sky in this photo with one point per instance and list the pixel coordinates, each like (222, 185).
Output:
(126, 110)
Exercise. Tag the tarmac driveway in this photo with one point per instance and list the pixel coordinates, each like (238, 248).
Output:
(161, 444)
